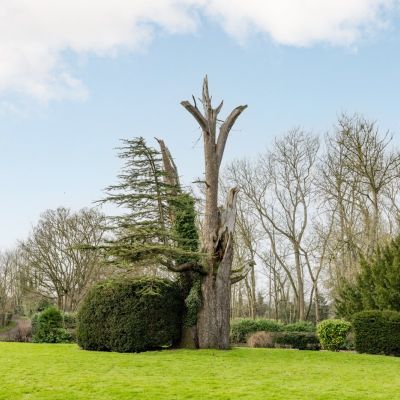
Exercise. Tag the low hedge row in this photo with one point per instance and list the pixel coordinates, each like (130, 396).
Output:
(301, 326)
(377, 332)
(241, 329)
(298, 340)
(293, 340)
(332, 334)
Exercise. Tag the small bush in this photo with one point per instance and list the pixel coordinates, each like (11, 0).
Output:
(242, 328)
(47, 327)
(262, 339)
(298, 340)
(301, 326)
(70, 324)
(130, 315)
(70, 320)
(377, 332)
(332, 333)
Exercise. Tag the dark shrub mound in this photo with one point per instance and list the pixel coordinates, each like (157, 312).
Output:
(132, 315)
(377, 332)
(48, 327)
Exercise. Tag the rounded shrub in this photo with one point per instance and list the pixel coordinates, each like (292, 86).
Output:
(377, 332)
(48, 327)
(332, 333)
(132, 315)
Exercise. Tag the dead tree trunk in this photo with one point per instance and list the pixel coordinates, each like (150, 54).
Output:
(213, 318)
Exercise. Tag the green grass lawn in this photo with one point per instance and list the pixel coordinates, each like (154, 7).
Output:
(42, 371)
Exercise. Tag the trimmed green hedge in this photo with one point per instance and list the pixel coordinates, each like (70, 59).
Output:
(132, 315)
(298, 340)
(242, 328)
(301, 326)
(377, 332)
(332, 333)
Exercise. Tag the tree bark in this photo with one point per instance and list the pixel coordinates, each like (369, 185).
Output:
(300, 285)
(214, 316)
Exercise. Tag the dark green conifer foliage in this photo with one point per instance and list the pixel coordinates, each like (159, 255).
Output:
(184, 226)
(377, 285)
(377, 332)
(145, 234)
(185, 231)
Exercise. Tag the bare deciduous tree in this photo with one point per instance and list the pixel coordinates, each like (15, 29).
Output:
(280, 188)
(359, 188)
(56, 255)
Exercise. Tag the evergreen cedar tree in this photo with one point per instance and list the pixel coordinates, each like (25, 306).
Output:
(159, 223)
(158, 227)
(377, 286)
(146, 233)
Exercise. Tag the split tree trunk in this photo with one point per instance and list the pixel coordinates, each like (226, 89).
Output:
(213, 318)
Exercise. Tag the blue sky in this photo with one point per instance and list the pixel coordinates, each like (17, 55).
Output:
(57, 145)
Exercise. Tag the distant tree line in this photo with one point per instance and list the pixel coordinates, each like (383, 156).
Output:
(311, 213)
(296, 240)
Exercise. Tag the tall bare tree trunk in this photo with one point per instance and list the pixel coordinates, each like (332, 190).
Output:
(213, 318)
(316, 304)
(300, 285)
(253, 293)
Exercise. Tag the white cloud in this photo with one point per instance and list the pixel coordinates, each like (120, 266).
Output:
(302, 22)
(35, 35)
